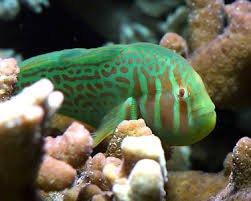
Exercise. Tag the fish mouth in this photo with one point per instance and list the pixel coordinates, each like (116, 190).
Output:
(205, 120)
(203, 112)
(207, 114)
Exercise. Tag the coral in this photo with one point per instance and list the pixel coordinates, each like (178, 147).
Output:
(239, 187)
(145, 182)
(175, 42)
(221, 55)
(223, 63)
(227, 164)
(241, 171)
(94, 193)
(175, 22)
(205, 21)
(157, 8)
(21, 121)
(63, 154)
(91, 182)
(193, 185)
(73, 147)
(131, 32)
(92, 173)
(8, 77)
(134, 149)
(8, 53)
(55, 175)
(179, 158)
(143, 159)
(36, 5)
(133, 21)
(10, 8)
(126, 128)
(143, 162)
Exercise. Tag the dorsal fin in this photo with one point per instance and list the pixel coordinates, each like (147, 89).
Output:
(76, 55)
(92, 56)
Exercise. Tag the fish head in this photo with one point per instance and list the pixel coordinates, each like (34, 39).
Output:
(190, 113)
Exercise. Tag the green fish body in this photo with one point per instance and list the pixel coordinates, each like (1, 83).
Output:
(106, 85)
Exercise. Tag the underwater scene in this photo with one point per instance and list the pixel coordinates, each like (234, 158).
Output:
(130, 100)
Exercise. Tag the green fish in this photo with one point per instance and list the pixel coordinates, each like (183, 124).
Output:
(106, 85)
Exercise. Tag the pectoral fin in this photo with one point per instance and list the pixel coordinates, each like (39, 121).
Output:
(126, 110)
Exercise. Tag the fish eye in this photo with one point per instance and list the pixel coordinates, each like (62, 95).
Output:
(183, 92)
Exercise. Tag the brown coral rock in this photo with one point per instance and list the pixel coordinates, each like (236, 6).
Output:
(8, 77)
(92, 172)
(91, 183)
(100, 174)
(228, 163)
(175, 42)
(55, 174)
(193, 185)
(239, 187)
(143, 147)
(241, 171)
(224, 63)
(145, 182)
(94, 193)
(73, 147)
(126, 128)
(205, 21)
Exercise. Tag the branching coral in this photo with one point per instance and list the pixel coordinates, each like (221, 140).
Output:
(205, 21)
(224, 62)
(21, 121)
(73, 147)
(63, 154)
(222, 57)
(10, 8)
(133, 21)
(91, 183)
(145, 182)
(55, 174)
(175, 42)
(157, 8)
(239, 187)
(143, 163)
(124, 129)
(8, 77)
